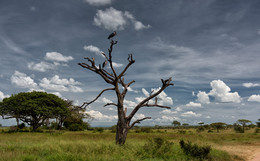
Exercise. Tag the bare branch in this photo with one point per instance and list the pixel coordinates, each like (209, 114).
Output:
(112, 43)
(126, 86)
(88, 103)
(155, 105)
(131, 61)
(165, 84)
(110, 104)
(138, 121)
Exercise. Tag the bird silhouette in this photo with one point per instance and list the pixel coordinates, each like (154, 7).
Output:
(112, 35)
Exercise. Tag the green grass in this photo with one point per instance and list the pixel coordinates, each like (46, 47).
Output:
(70, 146)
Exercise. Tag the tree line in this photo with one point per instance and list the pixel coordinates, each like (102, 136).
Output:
(38, 109)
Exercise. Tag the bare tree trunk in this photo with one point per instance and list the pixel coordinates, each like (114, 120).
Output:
(117, 81)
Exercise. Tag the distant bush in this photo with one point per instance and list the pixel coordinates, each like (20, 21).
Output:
(156, 148)
(194, 150)
(238, 128)
(257, 130)
(99, 129)
(200, 129)
(182, 131)
(210, 131)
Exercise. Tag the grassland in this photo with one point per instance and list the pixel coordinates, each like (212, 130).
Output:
(96, 146)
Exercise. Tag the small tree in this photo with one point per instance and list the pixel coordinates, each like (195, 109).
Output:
(258, 123)
(243, 122)
(218, 125)
(117, 81)
(33, 108)
(176, 123)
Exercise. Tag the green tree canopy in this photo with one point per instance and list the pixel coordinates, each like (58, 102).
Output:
(176, 123)
(218, 125)
(243, 122)
(33, 108)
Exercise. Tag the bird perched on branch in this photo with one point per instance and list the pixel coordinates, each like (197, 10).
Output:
(112, 35)
(104, 64)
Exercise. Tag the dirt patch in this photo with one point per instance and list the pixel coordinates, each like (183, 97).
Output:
(249, 152)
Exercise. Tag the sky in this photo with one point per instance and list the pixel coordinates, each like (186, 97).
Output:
(210, 48)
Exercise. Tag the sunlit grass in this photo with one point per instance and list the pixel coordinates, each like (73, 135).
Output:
(101, 146)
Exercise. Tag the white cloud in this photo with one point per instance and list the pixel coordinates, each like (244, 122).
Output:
(93, 49)
(138, 116)
(166, 119)
(2, 96)
(145, 92)
(112, 19)
(57, 84)
(248, 85)
(41, 67)
(203, 97)
(129, 104)
(23, 81)
(117, 65)
(58, 57)
(168, 112)
(98, 2)
(137, 24)
(163, 98)
(105, 100)
(193, 104)
(222, 93)
(98, 116)
(190, 114)
(132, 90)
(254, 98)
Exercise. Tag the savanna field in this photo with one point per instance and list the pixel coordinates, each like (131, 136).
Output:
(99, 145)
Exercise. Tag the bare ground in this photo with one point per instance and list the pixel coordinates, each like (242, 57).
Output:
(247, 152)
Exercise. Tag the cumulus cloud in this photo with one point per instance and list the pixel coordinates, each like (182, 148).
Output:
(193, 104)
(41, 67)
(112, 19)
(93, 49)
(222, 93)
(203, 97)
(98, 2)
(129, 104)
(57, 84)
(2, 96)
(190, 114)
(248, 85)
(168, 112)
(254, 98)
(23, 81)
(98, 116)
(163, 98)
(132, 90)
(166, 119)
(117, 65)
(105, 100)
(57, 57)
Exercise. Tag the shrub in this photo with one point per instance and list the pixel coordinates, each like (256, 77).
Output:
(157, 147)
(238, 128)
(99, 129)
(210, 131)
(200, 129)
(181, 131)
(257, 130)
(194, 150)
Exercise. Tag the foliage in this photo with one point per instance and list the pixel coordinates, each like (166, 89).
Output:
(200, 129)
(176, 123)
(157, 148)
(195, 150)
(74, 120)
(243, 122)
(33, 108)
(238, 128)
(218, 125)
(257, 131)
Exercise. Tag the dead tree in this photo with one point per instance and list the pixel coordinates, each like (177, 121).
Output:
(116, 80)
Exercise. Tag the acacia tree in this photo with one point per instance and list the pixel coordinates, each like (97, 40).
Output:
(243, 122)
(33, 108)
(116, 80)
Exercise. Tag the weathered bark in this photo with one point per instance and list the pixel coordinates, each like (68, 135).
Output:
(124, 122)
